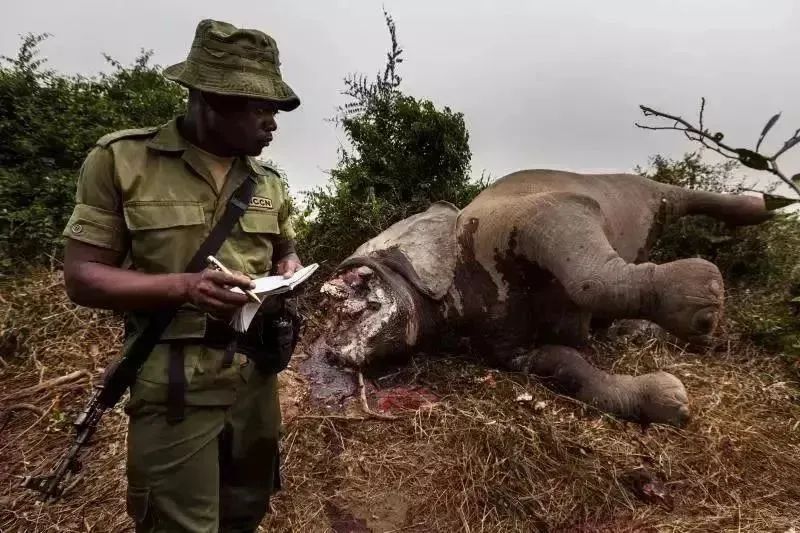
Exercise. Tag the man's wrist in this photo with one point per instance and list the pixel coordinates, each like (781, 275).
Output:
(178, 291)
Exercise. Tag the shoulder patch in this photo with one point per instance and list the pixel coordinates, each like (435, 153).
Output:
(137, 133)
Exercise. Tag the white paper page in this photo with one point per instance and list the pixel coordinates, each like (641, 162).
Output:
(270, 283)
(244, 316)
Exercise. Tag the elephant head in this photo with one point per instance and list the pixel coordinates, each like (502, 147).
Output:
(383, 298)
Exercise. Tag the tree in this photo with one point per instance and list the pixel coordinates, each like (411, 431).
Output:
(403, 154)
(48, 122)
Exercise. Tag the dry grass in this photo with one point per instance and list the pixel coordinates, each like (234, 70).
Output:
(477, 460)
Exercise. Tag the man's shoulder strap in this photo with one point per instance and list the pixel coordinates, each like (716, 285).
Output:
(138, 133)
(237, 205)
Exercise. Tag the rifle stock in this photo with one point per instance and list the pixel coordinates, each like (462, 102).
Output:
(50, 486)
(116, 379)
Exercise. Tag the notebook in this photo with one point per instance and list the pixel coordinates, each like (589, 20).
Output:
(266, 287)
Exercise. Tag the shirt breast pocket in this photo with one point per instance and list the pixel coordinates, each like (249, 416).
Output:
(254, 241)
(164, 234)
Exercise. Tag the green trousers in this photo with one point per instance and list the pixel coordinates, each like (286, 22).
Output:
(213, 471)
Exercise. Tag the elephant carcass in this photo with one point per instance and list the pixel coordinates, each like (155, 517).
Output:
(522, 270)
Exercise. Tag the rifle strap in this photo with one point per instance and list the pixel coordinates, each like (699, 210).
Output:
(236, 207)
(143, 344)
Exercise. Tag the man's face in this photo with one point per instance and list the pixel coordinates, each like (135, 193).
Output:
(239, 125)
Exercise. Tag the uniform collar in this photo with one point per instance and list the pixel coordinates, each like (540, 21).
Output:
(168, 138)
(255, 167)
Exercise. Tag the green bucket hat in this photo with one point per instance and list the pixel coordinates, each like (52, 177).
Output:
(236, 62)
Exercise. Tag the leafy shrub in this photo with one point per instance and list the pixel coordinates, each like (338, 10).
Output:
(761, 304)
(48, 122)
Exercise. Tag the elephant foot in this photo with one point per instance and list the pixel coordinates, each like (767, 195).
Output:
(662, 399)
(658, 397)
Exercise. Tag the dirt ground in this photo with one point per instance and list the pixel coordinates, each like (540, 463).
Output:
(469, 449)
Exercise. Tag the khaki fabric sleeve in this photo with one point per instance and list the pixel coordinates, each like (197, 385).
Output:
(285, 216)
(284, 244)
(97, 218)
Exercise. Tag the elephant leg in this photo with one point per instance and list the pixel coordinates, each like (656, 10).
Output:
(658, 397)
(564, 233)
(732, 209)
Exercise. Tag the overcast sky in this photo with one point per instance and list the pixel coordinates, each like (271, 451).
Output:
(542, 84)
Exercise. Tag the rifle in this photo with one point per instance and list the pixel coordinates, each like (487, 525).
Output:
(122, 373)
(116, 379)
(50, 485)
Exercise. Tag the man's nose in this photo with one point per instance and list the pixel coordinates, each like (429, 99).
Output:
(268, 121)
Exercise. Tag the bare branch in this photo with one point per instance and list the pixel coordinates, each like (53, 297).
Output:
(775, 170)
(658, 127)
(24, 407)
(8, 412)
(49, 384)
(749, 158)
(688, 127)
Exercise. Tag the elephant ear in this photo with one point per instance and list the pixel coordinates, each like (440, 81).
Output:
(425, 242)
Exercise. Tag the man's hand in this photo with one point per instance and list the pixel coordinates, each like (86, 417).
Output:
(287, 266)
(210, 291)
(94, 278)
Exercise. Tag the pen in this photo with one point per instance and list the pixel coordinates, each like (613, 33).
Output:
(215, 262)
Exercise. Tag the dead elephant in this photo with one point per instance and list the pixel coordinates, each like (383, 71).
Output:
(524, 268)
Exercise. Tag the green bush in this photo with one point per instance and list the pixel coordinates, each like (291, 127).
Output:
(48, 122)
(33, 210)
(760, 304)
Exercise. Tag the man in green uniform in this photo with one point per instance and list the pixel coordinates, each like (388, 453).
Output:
(206, 459)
